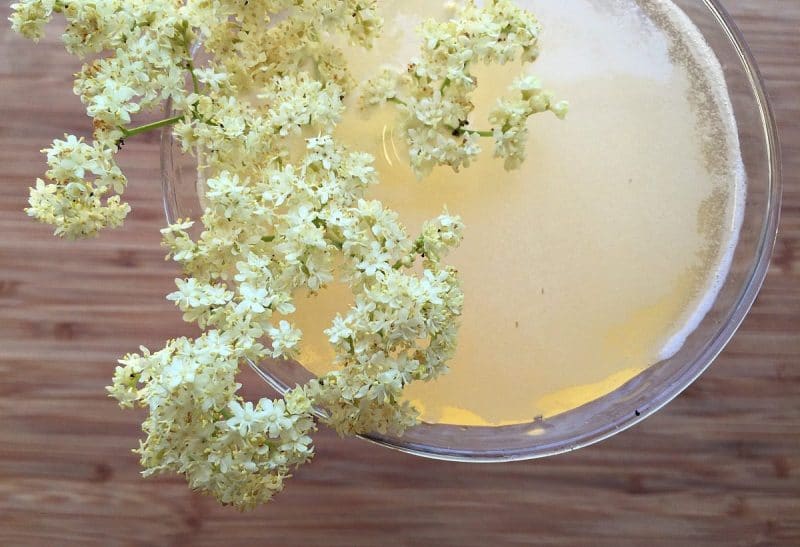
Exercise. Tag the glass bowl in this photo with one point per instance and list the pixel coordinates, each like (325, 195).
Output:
(660, 383)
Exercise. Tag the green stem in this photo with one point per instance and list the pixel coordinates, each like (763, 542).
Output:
(184, 26)
(150, 126)
(396, 101)
(195, 82)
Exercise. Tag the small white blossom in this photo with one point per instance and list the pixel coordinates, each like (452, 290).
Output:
(274, 417)
(245, 418)
(29, 17)
(285, 339)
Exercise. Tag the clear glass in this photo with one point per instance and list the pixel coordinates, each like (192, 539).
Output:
(659, 384)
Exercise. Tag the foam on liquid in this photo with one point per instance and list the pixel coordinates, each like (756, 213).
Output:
(605, 251)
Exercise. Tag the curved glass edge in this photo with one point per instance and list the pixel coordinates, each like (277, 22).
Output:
(709, 353)
(169, 199)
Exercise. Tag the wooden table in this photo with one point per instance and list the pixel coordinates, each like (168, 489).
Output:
(719, 466)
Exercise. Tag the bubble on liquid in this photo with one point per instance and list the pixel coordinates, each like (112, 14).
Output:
(716, 120)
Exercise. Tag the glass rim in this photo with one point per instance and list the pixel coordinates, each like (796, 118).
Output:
(712, 348)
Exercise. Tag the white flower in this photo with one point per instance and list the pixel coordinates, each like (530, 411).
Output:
(213, 79)
(374, 260)
(293, 441)
(29, 17)
(245, 417)
(440, 235)
(252, 299)
(273, 417)
(284, 339)
(338, 331)
(198, 300)
(510, 116)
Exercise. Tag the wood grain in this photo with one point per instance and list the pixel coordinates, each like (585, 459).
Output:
(719, 466)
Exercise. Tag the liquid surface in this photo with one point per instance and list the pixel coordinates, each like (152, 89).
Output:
(600, 255)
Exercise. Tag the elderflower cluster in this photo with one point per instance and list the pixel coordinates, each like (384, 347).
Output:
(434, 94)
(285, 211)
(509, 116)
(76, 200)
(238, 451)
(151, 49)
(267, 239)
(29, 18)
(402, 328)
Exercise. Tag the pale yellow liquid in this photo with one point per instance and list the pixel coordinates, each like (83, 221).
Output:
(595, 259)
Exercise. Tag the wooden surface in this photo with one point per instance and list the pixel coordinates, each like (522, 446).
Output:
(719, 466)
